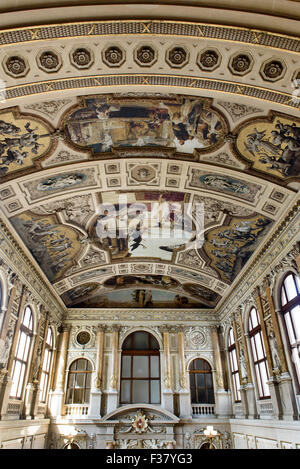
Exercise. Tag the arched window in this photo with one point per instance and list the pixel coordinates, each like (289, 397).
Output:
(201, 383)
(140, 369)
(21, 355)
(79, 382)
(234, 366)
(259, 355)
(290, 305)
(46, 366)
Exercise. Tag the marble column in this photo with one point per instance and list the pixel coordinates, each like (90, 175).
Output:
(112, 395)
(32, 386)
(37, 371)
(96, 391)
(222, 396)
(167, 392)
(185, 408)
(57, 395)
(247, 382)
(243, 392)
(273, 380)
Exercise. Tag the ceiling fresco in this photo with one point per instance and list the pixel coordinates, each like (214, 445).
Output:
(22, 140)
(143, 291)
(107, 199)
(184, 124)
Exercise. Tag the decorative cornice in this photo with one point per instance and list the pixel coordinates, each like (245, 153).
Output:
(166, 80)
(145, 27)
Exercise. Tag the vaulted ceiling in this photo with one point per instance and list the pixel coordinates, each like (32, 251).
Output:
(145, 163)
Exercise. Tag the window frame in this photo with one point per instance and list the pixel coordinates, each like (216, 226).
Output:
(235, 374)
(88, 370)
(150, 352)
(46, 371)
(193, 373)
(286, 309)
(255, 335)
(24, 362)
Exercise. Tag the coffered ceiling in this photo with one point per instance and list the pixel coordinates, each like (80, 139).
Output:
(187, 133)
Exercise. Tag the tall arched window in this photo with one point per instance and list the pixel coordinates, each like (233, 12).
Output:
(234, 366)
(140, 369)
(22, 353)
(259, 354)
(79, 382)
(201, 382)
(290, 305)
(46, 366)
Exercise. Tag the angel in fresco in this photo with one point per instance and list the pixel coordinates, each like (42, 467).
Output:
(257, 144)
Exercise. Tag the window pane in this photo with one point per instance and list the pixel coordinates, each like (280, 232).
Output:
(126, 366)
(140, 341)
(140, 367)
(259, 348)
(200, 380)
(21, 380)
(290, 287)
(78, 396)
(153, 343)
(253, 319)
(253, 348)
(125, 391)
(49, 337)
(21, 346)
(260, 391)
(295, 314)
(140, 391)
(283, 297)
(80, 379)
(155, 394)
(289, 328)
(15, 377)
(26, 350)
(264, 377)
(27, 318)
(193, 395)
(81, 364)
(154, 361)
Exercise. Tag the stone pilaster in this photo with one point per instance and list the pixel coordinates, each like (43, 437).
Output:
(167, 394)
(96, 392)
(112, 395)
(222, 396)
(57, 395)
(185, 408)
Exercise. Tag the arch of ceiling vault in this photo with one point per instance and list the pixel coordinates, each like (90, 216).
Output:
(155, 111)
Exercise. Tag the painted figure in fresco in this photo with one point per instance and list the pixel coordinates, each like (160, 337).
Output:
(235, 243)
(60, 182)
(224, 183)
(13, 141)
(186, 125)
(282, 153)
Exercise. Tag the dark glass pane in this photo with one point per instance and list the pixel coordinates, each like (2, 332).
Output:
(210, 395)
(202, 396)
(140, 341)
(153, 343)
(193, 395)
(200, 380)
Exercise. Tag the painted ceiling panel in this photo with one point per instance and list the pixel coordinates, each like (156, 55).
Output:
(145, 201)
